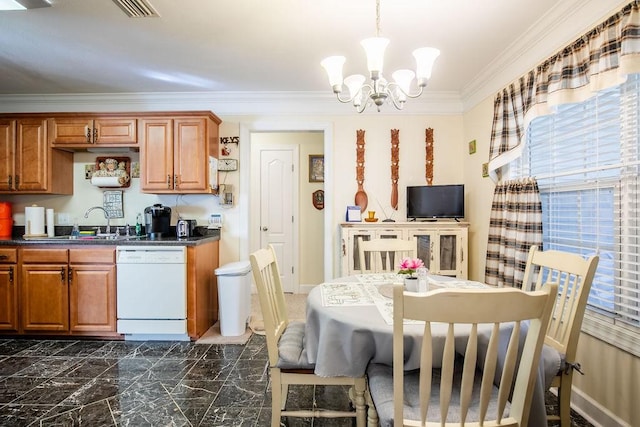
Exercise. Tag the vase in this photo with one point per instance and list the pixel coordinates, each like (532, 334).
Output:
(411, 284)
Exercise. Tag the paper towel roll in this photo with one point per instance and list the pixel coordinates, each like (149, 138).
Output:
(33, 220)
(106, 181)
(50, 225)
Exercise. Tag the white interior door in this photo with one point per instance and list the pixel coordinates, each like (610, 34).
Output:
(277, 194)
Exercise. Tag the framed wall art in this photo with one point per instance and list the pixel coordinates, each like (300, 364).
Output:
(316, 168)
(472, 146)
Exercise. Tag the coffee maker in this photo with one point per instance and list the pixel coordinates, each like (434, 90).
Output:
(157, 219)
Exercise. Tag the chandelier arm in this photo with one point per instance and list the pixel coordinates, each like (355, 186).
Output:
(344, 100)
(395, 102)
(408, 95)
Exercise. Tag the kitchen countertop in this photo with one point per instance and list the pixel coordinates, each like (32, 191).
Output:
(207, 236)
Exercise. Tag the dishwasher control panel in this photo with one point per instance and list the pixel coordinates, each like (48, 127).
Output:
(151, 254)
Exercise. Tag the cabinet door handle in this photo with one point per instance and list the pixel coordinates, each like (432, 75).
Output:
(62, 274)
(10, 180)
(176, 183)
(88, 135)
(95, 135)
(4, 257)
(70, 276)
(17, 181)
(10, 274)
(169, 182)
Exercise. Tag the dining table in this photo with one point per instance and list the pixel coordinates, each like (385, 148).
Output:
(349, 324)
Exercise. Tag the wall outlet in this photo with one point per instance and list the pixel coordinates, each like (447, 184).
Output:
(89, 170)
(64, 218)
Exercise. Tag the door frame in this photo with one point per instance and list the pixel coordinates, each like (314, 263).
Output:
(249, 239)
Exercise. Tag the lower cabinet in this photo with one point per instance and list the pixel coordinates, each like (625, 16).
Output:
(92, 290)
(44, 296)
(202, 295)
(72, 291)
(68, 290)
(9, 289)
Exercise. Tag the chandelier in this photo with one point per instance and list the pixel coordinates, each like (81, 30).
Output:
(379, 90)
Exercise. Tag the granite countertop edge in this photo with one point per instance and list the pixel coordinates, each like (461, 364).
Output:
(166, 241)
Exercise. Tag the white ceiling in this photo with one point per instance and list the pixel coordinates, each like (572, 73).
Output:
(91, 46)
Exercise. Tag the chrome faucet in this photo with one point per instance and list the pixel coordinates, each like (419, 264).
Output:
(106, 215)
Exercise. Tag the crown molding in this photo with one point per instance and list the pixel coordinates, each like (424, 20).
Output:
(222, 103)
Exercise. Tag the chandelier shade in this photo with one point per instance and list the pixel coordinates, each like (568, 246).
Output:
(379, 90)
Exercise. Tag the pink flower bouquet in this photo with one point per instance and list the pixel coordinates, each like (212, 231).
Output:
(410, 265)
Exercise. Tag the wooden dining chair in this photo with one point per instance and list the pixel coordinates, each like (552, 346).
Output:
(573, 274)
(384, 255)
(288, 362)
(456, 391)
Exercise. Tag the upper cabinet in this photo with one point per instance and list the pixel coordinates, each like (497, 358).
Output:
(175, 152)
(87, 132)
(28, 164)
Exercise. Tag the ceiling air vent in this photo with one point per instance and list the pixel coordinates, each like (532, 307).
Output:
(137, 8)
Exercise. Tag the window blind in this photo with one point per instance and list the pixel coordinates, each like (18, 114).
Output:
(585, 158)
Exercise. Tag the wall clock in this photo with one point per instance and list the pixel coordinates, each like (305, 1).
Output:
(228, 164)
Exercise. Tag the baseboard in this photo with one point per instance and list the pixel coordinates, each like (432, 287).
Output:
(593, 411)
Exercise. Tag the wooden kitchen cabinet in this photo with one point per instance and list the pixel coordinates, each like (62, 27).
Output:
(44, 296)
(68, 290)
(87, 132)
(175, 153)
(92, 290)
(28, 164)
(202, 288)
(8, 290)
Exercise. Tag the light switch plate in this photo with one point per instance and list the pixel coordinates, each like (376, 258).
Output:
(227, 164)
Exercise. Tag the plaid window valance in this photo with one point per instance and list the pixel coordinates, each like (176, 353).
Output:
(601, 58)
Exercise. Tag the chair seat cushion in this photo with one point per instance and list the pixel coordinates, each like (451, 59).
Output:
(292, 353)
(380, 378)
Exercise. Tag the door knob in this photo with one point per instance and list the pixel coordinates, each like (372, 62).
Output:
(265, 228)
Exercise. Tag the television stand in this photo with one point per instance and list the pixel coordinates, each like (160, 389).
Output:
(441, 245)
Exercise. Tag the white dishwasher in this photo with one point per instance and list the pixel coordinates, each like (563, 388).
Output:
(152, 292)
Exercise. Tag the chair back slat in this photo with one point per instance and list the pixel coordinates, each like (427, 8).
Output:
(483, 312)
(468, 372)
(384, 255)
(426, 357)
(266, 274)
(489, 369)
(508, 369)
(573, 274)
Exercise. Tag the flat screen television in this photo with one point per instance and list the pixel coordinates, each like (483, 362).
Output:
(431, 202)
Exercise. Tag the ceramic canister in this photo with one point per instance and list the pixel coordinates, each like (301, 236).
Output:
(5, 210)
(6, 220)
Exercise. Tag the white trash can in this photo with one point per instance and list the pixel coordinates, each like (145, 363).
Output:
(234, 297)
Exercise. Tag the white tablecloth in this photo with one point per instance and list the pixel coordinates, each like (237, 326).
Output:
(342, 340)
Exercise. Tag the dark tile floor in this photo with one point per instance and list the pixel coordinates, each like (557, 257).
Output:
(150, 383)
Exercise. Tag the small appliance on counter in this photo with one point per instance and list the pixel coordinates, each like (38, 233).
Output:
(157, 220)
(185, 227)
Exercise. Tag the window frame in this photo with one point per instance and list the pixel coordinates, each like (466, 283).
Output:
(605, 325)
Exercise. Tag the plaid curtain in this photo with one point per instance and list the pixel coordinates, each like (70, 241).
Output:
(514, 226)
(599, 59)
